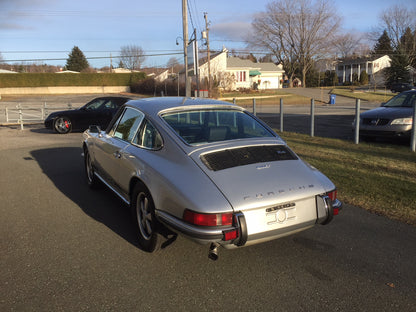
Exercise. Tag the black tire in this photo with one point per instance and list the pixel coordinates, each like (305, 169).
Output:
(143, 211)
(62, 125)
(92, 179)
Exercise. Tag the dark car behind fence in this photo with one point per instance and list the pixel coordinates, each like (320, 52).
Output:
(320, 120)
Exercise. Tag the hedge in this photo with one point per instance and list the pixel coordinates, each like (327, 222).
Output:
(69, 79)
(151, 86)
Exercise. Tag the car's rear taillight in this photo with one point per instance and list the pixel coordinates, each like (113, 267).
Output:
(208, 219)
(333, 196)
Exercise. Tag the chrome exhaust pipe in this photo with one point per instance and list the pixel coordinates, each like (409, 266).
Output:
(213, 251)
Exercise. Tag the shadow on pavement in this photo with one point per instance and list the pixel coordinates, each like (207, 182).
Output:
(64, 167)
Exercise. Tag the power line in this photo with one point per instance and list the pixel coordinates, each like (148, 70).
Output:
(190, 15)
(93, 51)
(88, 58)
(194, 9)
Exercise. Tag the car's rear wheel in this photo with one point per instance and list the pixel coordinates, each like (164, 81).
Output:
(92, 179)
(62, 125)
(143, 211)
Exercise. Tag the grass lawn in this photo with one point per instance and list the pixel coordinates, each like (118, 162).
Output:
(380, 97)
(266, 98)
(380, 178)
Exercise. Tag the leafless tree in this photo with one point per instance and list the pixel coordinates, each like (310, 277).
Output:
(346, 44)
(173, 64)
(132, 57)
(395, 20)
(297, 32)
(226, 80)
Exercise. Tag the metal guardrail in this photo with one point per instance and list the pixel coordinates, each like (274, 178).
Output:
(22, 115)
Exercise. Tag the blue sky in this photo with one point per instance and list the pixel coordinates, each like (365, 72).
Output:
(49, 29)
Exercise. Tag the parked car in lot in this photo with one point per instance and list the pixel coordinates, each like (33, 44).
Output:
(98, 111)
(206, 169)
(400, 87)
(391, 119)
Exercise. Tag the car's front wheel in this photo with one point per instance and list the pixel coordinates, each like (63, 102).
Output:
(62, 125)
(143, 211)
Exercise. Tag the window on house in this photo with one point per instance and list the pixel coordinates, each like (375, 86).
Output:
(241, 76)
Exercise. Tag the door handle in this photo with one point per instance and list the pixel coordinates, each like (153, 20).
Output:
(117, 154)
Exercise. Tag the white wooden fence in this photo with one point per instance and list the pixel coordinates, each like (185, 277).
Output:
(22, 115)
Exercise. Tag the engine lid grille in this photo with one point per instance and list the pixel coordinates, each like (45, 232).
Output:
(230, 158)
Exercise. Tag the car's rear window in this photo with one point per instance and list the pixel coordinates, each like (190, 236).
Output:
(205, 126)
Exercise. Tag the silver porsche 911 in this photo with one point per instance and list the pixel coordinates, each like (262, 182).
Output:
(208, 170)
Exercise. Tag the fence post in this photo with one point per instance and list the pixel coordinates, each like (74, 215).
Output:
(7, 114)
(281, 114)
(312, 117)
(20, 116)
(357, 121)
(234, 101)
(413, 137)
(254, 106)
(45, 111)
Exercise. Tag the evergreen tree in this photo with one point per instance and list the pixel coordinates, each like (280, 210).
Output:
(312, 78)
(330, 78)
(76, 60)
(399, 68)
(363, 78)
(383, 45)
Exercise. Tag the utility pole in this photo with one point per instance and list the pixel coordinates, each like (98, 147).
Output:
(208, 54)
(111, 63)
(185, 46)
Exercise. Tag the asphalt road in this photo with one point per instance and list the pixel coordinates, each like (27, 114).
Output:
(67, 248)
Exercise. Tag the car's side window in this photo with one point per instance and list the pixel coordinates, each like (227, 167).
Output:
(109, 105)
(148, 136)
(94, 104)
(126, 127)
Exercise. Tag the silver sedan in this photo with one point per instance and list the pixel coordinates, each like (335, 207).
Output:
(208, 170)
(392, 119)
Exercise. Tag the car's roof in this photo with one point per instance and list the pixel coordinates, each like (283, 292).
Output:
(155, 105)
(111, 97)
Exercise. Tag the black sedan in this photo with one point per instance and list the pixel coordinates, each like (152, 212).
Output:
(98, 111)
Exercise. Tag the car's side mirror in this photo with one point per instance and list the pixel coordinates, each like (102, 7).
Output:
(94, 129)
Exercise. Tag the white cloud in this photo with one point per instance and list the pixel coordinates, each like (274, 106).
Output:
(232, 30)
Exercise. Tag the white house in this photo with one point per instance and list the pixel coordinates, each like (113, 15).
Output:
(347, 67)
(234, 73)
